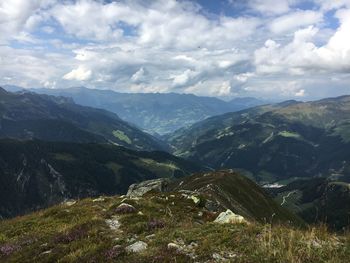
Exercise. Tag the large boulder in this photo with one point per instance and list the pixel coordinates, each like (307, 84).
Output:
(229, 217)
(156, 185)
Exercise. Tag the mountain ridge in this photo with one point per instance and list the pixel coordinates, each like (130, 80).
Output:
(157, 113)
(24, 115)
(35, 174)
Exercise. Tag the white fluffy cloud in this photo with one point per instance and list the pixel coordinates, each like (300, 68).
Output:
(295, 20)
(17, 15)
(302, 55)
(269, 48)
(81, 73)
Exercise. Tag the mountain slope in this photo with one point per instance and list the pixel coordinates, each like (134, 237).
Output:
(155, 112)
(230, 190)
(317, 200)
(27, 115)
(273, 142)
(160, 227)
(36, 174)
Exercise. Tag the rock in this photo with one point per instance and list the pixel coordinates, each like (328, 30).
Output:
(195, 199)
(100, 199)
(180, 247)
(130, 239)
(137, 247)
(224, 256)
(229, 217)
(113, 223)
(174, 246)
(125, 208)
(139, 189)
(316, 244)
(218, 258)
(70, 202)
(149, 237)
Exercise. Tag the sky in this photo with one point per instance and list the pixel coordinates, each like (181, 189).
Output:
(271, 49)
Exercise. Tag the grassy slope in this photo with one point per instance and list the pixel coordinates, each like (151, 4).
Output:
(35, 174)
(29, 115)
(273, 142)
(240, 194)
(79, 233)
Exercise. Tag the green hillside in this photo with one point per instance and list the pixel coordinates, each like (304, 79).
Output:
(35, 174)
(26, 115)
(273, 142)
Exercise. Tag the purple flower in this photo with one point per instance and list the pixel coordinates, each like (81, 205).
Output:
(8, 249)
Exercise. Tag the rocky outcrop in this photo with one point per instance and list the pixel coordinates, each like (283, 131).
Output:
(156, 185)
(229, 217)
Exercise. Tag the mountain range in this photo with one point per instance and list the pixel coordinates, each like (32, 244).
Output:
(27, 115)
(273, 142)
(157, 113)
(297, 151)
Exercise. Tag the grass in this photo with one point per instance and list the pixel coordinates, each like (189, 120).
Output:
(343, 131)
(122, 136)
(166, 169)
(79, 233)
(289, 134)
(64, 157)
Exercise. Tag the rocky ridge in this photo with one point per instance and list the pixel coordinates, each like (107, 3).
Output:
(170, 226)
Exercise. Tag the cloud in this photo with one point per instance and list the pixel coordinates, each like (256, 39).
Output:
(224, 89)
(300, 93)
(81, 73)
(31, 68)
(295, 20)
(184, 78)
(302, 55)
(244, 77)
(259, 48)
(271, 7)
(16, 15)
(89, 19)
(327, 5)
(139, 76)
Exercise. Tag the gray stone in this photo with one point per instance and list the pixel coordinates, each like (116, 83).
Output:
(139, 189)
(137, 247)
(196, 200)
(218, 258)
(174, 246)
(229, 217)
(100, 199)
(113, 223)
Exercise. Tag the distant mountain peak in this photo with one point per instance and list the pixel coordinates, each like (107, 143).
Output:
(3, 91)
